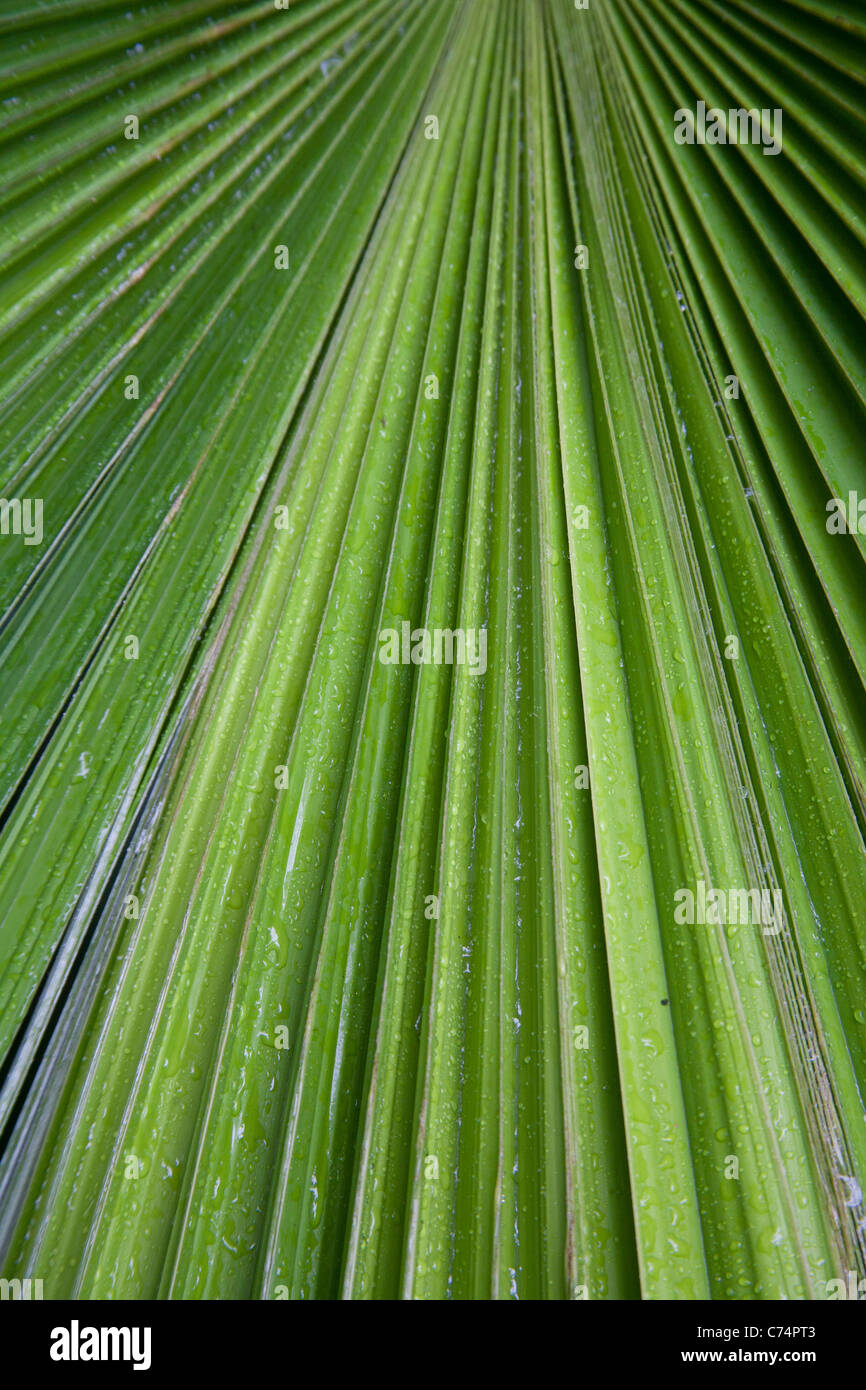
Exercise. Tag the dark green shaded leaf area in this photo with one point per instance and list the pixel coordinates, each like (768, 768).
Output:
(336, 338)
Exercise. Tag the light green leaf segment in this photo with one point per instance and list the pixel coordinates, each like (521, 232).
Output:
(323, 976)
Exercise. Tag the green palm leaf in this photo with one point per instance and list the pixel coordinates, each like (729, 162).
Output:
(327, 975)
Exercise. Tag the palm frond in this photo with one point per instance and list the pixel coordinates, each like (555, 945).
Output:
(324, 974)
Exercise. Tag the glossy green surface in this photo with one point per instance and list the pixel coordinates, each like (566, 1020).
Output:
(324, 977)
